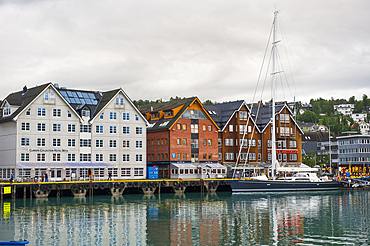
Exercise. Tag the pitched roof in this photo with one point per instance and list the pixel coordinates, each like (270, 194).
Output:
(221, 113)
(262, 115)
(22, 99)
(166, 123)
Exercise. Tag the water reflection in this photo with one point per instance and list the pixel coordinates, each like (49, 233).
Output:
(340, 217)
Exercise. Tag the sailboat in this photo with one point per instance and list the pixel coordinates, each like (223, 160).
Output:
(303, 180)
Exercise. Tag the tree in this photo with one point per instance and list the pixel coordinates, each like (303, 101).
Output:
(308, 116)
(364, 100)
(351, 100)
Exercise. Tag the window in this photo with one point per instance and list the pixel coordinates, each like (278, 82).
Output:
(125, 157)
(56, 157)
(25, 126)
(252, 156)
(25, 157)
(125, 172)
(179, 141)
(41, 112)
(40, 157)
(57, 112)
(194, 128)
(284, 157)
(56, 127)
(293, 157)
(126, 144)
(112, 157)
(28, 112)
(101, 116)
(184, 141)
(243, 115)
(99, 129)
(139, 130)
(56, 142)
(71, 128)
(242, 129)
(229, 156)
(229, 142)
(69, 115)
(184, 156)
(284, 131)
(138, 171)
(112, 143)
(71, 142)
(112, 129)
(139, 157)
(204, 156)
(126, 130)
(204, 128)
(252, 142)
(85, 112)
(259, 143)
(25, 142)
(204, 142)
(99, 143)
(71, 157)
(292, 144)
(40, 142)
(49, 97)
(178, 126)
(284, 118)
(139, 144)
(194, 143)
(85, 157)
(244, 143)
(126, 116)
(119, 101)
(209, 128)
(184, 127)
(99, 157)
(136, 117)
(231, 128)
(40, 127)
(112, 115)
(249, 129)
(269, 143)
(168, 113)
(209, 142)
(85, 128)
(85, 142)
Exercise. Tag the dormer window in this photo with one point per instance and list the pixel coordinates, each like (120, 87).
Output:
(7, 110)
(155, 115)
(168, 113)
(28, 112)
(85, 112)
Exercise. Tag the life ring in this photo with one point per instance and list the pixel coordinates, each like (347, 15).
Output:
(59, 186)
(176, 184)
(35, 187)
(87, 186)
(155, 184)
(74, 187)
(116, 185)
(152, 185)
(163, 184)
(135, 185)
(197, 183)
(96, 186)
(43, 187)
(110, 185)
(143, 185)
(102, 186)
(192, 183)
(129, 185)
(122, 185)
(49, 187)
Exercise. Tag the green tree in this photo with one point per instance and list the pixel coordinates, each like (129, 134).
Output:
(351, 100)
(308, 116)
(364, 100)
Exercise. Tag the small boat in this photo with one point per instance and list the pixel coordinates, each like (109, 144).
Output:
(14, 242)
(304, 180)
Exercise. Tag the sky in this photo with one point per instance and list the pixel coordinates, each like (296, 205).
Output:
(166, 48)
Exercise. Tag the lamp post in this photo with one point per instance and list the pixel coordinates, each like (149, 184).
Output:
(329, 150)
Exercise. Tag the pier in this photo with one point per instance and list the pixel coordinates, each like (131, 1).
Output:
(114, 187)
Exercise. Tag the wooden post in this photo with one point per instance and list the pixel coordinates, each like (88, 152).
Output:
(14, 189)
(31, 192)
(1, 192)
(24, 192)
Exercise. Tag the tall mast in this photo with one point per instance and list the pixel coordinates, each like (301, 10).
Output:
(273, 125)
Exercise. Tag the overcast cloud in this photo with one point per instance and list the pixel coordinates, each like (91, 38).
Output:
(158, 49)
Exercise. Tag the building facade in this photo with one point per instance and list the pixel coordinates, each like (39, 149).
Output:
(71, 134)
(182, 139)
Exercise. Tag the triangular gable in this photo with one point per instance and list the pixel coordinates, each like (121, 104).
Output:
(40, 94)
(203, 110)
(108, 97)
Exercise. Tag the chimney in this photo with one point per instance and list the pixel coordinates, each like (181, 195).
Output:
(24, 89)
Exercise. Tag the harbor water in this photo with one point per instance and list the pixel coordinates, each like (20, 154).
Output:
(305, 218)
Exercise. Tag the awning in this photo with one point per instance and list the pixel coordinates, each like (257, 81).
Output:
(64, 165)
(296, 169)
(211, 165)
(184, 165)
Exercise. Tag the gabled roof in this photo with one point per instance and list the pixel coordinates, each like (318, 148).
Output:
(262, 117)
(22, 100)
(167, 123)
(222, 113)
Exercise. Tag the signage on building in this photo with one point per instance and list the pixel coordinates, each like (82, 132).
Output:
(48, 150)
(8, 190)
